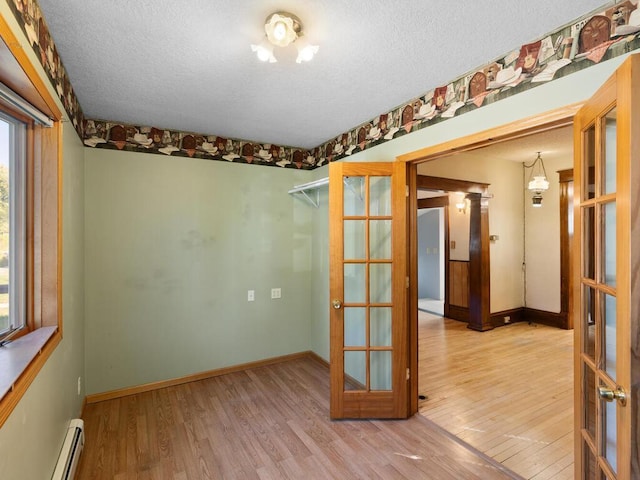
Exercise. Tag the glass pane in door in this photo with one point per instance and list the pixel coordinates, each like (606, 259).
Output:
(355, 283)
(355, 370)
(611, 434)
(381, 370)
(589, 325)
(610, 154)
(609, 243)
(380, 239)
(590, 402)
(380, 282)
(355, 327)
(380, 196)
(589, 159)
(354, 240)
(609, 335)
(380, 318)
(354, 197)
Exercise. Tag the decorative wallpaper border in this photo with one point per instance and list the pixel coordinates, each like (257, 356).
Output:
(585, 42)
(30, 18)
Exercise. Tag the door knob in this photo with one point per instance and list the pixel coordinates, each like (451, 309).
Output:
(337, 304)
(609, 395)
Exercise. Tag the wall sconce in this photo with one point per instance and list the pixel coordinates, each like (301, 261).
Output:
(282, 29)
(463, 203)
(538, 182)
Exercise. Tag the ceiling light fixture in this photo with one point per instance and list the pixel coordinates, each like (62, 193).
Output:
(538, 182)
(283, 29)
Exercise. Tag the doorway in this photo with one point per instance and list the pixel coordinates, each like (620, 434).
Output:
(491, 389)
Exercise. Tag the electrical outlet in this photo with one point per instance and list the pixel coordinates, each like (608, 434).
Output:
(276, 293)
(251, 295)
(79, 385)
(507, 319)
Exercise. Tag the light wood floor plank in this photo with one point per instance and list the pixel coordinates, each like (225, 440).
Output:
(266, 423)
(508, 392)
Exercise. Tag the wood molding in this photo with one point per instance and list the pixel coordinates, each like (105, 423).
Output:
(497, 319)
(565, 175)
(314, 356)
(13, 396)
(434, 202)
(558, 320)
(427, 182)
(458, 313)
(520, 128)
(479, 266)
(566, 239)
(148, 387)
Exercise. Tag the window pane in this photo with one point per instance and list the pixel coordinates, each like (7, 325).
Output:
(354, 243)
(355, 327)
(355, 370)
(589, 163)
(380, 239)
(354, 283)
(589, 388)
(4, 226)
(380, 283)
(611, 433)
(610, 135)
(589, 242)
(379, 196)
(12, 224)
(589, 322)
(380, 319)
(354, 196)
(609, 341)
(381, 370)
(609, 243)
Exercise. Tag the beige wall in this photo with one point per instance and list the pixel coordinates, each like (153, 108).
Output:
(542, 254)
(505, 220)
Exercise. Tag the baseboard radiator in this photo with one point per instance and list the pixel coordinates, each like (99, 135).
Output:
(70, 453)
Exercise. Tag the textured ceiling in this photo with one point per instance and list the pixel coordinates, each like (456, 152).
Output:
(188, 65)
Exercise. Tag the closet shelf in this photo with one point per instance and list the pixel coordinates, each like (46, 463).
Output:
(306, 188)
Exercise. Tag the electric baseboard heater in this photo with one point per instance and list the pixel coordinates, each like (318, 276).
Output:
(70, 453)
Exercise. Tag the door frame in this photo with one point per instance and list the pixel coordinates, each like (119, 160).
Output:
(542, 122)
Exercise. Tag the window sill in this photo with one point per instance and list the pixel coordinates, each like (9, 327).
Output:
(16, 356)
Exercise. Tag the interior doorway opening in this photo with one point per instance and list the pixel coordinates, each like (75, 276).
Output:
(462, 373)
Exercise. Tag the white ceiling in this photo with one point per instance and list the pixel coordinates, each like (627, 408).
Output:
(188, 65)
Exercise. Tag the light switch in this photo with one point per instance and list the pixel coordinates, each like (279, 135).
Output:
(251, 295)
(276, 293)
(453, 244)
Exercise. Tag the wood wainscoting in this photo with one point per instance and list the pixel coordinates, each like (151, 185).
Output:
(458, 293)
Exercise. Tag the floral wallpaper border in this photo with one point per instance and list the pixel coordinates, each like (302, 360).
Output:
(585, 42)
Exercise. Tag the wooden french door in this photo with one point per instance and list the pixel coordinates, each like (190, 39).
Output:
(606, 273)
(368, 290)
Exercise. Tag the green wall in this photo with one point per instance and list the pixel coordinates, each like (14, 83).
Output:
(173, 244)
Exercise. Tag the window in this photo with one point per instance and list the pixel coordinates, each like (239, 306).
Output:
(30, 221)
(12, 226)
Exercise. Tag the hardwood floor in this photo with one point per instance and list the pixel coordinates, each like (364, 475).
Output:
(508, 392)
(265, 423)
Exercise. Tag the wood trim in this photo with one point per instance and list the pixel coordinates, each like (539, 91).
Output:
(558, 320)
(434, 202)
(426, 182)
(479, 266)
(39, 86)
(314, 356)
(565, 175)
(412, 293)
(542, 122)
(11, 399)
(516, 315)
(148, 387)
(458, 313)
(566, 239)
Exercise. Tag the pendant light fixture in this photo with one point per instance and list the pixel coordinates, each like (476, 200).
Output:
(538, 182)
(281, 30)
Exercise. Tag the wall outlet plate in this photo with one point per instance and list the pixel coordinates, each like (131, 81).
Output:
(276, 293)
(251, 295)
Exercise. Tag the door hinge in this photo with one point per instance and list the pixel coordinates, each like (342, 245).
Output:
(407, 190)
(407, 282)
(408, 374)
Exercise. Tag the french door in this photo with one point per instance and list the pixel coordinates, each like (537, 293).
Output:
(368, 290)
(607, 278)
